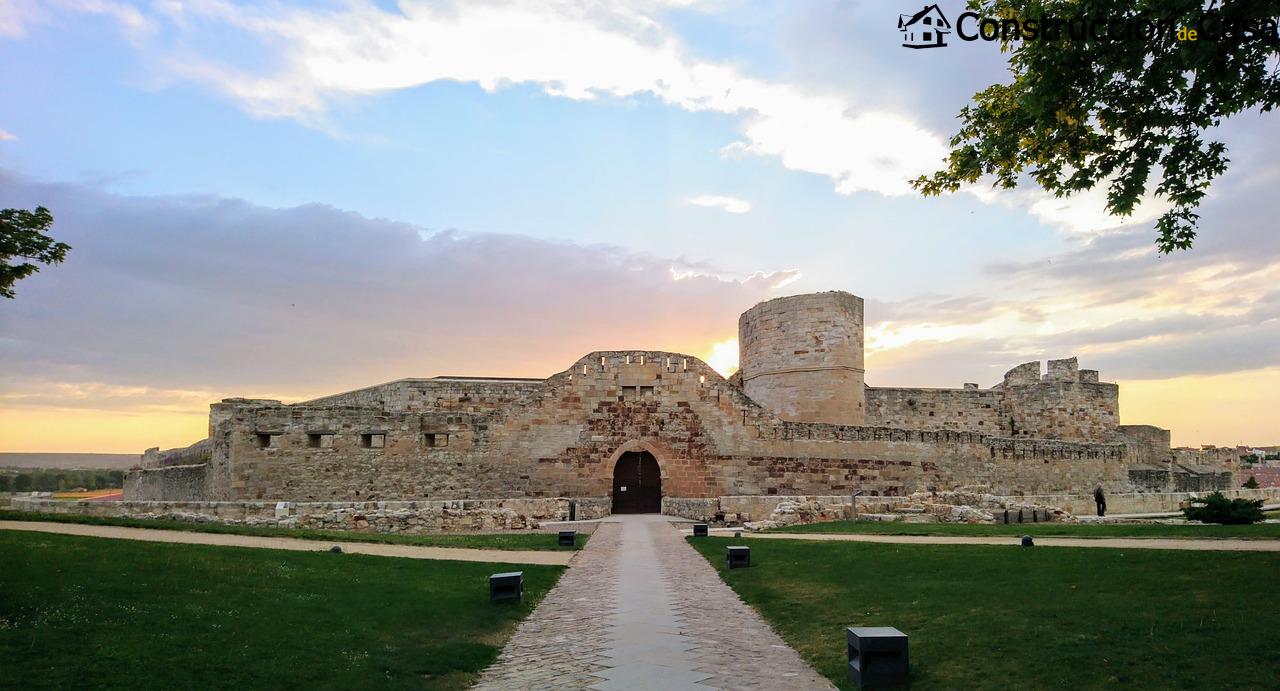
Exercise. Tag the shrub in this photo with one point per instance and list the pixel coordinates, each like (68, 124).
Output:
(1216, 508)
(1251, 483)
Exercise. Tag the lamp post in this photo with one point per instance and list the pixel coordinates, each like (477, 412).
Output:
(853, 504)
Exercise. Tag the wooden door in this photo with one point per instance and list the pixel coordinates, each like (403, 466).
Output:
(637, 484)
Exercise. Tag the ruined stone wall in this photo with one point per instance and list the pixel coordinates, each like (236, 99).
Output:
(382, 517)
(1147, 444)
(173, 483)
(961, 410)
(1066, 403)
(462, 394)
(196, 454)
(709, 440)
(802, 357)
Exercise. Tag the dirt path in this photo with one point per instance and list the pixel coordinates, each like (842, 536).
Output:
(1192, 544)
(501, 556)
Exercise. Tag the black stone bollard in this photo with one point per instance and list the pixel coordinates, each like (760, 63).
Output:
(335, 549)
(1027, 541)
(699, 529)
(573, 510)
(568, 538)
(506, 586)
(739, 557)
(877, 656)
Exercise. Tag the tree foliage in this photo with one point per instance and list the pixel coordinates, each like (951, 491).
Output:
(1082, 111)
(24, 238)
(1216, 508)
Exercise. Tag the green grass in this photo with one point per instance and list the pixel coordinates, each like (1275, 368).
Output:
(78, 612)
(526, 540)
(985, 617)
(1262, 530)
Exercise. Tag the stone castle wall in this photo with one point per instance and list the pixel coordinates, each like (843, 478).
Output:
(796, 420)
(169, 483)
(961, 410)
(709, 440)
(802, 357)
(1066, 403)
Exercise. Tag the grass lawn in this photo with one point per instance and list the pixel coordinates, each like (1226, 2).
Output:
(79, 612)
(524, 540)
(1261, 530)
(985, 617)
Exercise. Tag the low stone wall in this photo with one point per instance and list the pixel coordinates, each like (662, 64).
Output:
(1140, 502)
(171, 483)
(462, 515)
(741, 509)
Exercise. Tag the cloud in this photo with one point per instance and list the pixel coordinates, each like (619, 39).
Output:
(581, 50)
(17, 15)
(731, 205)
(7, 136)
(206, 294)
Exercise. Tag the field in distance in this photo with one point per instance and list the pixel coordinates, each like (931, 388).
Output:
(69, 461)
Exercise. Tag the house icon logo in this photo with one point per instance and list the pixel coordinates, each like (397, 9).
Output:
(924, 29)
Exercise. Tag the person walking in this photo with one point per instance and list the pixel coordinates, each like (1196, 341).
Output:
(1100, 499)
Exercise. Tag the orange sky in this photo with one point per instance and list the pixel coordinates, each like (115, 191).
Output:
(1237, 408)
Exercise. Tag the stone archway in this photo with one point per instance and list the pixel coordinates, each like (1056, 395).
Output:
(637, 483)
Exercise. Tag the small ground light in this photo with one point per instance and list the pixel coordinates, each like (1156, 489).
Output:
(568, 538)
(739, 557)
(877, 656)
(506, 586)
(699, 529)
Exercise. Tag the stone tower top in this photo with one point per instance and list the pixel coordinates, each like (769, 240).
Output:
(802, 357)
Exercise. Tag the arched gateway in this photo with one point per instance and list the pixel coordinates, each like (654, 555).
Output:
(637, 483)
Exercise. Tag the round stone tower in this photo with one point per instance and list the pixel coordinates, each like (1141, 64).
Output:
(801, 357)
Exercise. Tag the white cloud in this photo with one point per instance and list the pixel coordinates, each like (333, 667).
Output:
(731, 205)
(16, 15)
(6, 136)
(581, 50)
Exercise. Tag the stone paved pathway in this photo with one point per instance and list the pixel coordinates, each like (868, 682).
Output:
(1198, 544)
(500, 556)
(640, 609)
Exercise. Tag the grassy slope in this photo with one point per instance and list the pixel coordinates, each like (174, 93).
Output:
(526, 540)
(1262, 530)
(1008, 617)
(112, 614)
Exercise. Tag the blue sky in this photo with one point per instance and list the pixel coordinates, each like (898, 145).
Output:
(711, 154)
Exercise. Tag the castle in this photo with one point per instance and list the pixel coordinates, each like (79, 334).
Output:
(644, 431)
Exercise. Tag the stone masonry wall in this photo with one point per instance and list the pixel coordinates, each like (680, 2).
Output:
(962, 410)
(382, 517)
(709, 440)
(1067, 404)
(173, 483)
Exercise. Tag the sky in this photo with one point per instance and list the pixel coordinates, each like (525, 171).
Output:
(286, 200)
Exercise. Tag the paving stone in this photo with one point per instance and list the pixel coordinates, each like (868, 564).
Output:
(640, 609)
